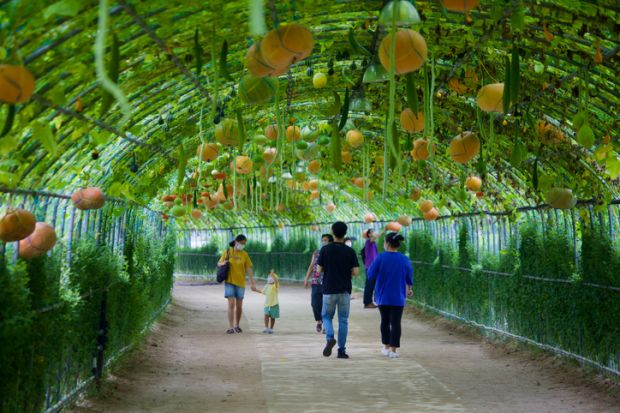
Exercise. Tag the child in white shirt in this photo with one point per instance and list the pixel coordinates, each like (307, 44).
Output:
(272, 307)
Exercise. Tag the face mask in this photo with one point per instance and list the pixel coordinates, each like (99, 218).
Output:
(239, 247)
(348, 243)
(270, 280)
(323, 243)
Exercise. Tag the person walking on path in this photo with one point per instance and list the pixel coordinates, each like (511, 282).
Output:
(316, 296)
(234, 287)
(393, 276)
(368, 257)
(338, 263)
(272, 305)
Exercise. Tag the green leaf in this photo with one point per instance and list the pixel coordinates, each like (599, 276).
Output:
(519, 152)
(578, 120)
(507, 88)
(344, 113)
(57, 94)
(8, 179)
(223, 62)
(42, 132)
(67, 8)
(197, 53)
(113, 72)
(585, 136)
(100, 137)
(613, 165)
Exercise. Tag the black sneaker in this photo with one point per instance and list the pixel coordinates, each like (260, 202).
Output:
(342, 354)
(327, 351)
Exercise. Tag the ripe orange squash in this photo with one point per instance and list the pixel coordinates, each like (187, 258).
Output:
(491, 98)
(369, 218)
(473, 183)
(420, 150)
(355, 139)
(404, 220)
(271, 132)
(346, 156)
(410, 53)
(293, 133)
(464, 147)
(39, 242)
(313, 184)
(431, 215)
(243, 165)
(314, 166)
(207, 152)
(296, 39)
(461, 6)
(196, 213)
(412, 122)
(16, 84)
(314, 195)
(331, 207)
(426, 205)
(88, 198)
(259, 66)
(358, 182)
(394, 226)
(416, 193)
(16, 225)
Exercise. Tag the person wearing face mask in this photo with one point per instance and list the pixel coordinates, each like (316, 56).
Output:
(272, 306)
(393, 276)
(316, 296)
(234, 287)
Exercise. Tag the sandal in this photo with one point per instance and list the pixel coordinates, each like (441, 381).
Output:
(230, 331)
(238, 330)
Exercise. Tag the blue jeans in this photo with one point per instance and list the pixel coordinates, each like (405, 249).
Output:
(330, 302)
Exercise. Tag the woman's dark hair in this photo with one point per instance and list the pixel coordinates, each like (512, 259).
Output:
(330, 237)
(394, 239)
(239, 238)
(368, 232)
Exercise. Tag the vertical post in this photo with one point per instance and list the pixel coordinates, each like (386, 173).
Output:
(70, 238)
(101, 339)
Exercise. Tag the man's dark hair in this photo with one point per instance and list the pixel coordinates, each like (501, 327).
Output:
(330, 237)
(394, 239)
(339, 229)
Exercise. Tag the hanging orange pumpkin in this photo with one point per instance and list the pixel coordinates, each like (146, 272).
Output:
(420, 150)
(314, 166)
(16, 84)
(464, 147)
(412, 122)
(39, 242)
(207, 152)
(426, 205)
(461, 6)
(88, 198)
(491, 98)
(16, 225)
(410, 53)
(431, 215)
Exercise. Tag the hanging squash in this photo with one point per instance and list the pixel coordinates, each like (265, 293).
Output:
(88, 198)
(243, 165)
(259, 66)
(473, 183)
(196, 213)
(346, 156)
(412, 122)
(561, 198)
(431, 215)
(296, 39)
(226, 132)
(39, 242)
(314, 195)
(355, 139)
(16, 84)
(404, 220)
(207, 152)
(269, 155)
(358, 182)
(420, 151)
(319, 80)
(410, 53)
(16, 225)
(314, 166)
(293, 133)
(313, 184)
(255, 90)
(416, 193)
(491, 98)
(426, 205)
(271, 132)
(460, 6)
(331, 207)
(394, 226)
(464, 147)
(369, 218)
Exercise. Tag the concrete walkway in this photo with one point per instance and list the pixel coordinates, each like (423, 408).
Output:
(190, 365)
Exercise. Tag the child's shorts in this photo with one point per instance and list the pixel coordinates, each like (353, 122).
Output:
(273, 312)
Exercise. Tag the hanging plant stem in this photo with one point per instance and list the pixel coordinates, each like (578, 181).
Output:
(389, 132)
(102, 75)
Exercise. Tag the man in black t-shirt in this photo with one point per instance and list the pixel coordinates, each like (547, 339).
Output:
(338, 262)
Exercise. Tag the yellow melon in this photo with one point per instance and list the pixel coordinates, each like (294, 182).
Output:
(426, 205)
(346, 156)
(431, 215)
(16, 84)
(473, 183)
(207, 152)
(293, 133)
(355, 139)
(420, 149)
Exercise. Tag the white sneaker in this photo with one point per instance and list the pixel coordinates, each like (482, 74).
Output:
(393, 355)
(270, 331)
(385, 351)
(266, 331)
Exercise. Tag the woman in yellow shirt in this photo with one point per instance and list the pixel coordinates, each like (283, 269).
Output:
(234, 288)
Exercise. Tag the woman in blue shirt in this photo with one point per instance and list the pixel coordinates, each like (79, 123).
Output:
(393, 276)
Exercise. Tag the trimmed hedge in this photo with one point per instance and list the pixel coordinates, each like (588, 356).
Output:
(50, 314)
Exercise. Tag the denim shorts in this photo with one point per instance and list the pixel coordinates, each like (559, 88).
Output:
(233, 291)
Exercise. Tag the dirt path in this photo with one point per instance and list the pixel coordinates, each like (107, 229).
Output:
(188, 365)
